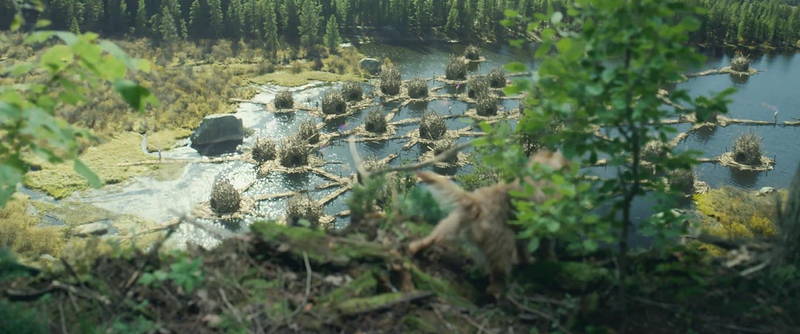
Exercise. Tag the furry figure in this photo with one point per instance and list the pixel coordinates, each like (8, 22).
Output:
(482, 216)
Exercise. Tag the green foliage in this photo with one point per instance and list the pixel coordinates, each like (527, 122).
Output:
(28, 110)
(14, 318)
(332, 37)
(420, 205)
(582, 88)
(184, 272)
(310, 17)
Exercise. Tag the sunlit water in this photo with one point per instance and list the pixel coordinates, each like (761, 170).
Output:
(774, 88)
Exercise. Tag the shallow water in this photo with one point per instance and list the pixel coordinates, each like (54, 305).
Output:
(775, 88)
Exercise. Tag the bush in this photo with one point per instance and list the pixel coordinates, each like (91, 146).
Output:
(747, 149)
(472, 53)
(432, 126)
(225, 198)
(284, 100)
(740, 63)
(294, 152)
(266, 67)
(456, 69)
(300, 207)
(654, 151)
(390, 80)
(264, 150)
(681, 180)
(375, 122)
(497, 78)
(477, 85)
(296, 67)
(417, 88)
(309, 132)
(333, 103)
(486, 105)
(352, 91)
(442, 146)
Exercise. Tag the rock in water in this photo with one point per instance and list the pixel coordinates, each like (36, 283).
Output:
(371, 65)
(218, 134)
(86, 230)
(764, 191)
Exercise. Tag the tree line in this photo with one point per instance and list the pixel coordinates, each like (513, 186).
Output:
(273, 23)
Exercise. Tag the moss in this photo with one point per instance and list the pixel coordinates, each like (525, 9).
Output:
(373, 303)
(363, 285)
(165, 139)
(733, 213)
(288, 79)
(107, 160)
(19, 231)
(450, 291)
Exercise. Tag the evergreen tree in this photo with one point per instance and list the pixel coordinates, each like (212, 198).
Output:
(141, 19)
(332, 38)
(270, 28)
(309, 23)
(215, 22)
(290, 20)
(167, 27)
(233, 19)
(198, 19)
(453, 26)
(173, 8)
(8, 8)
(92, 15)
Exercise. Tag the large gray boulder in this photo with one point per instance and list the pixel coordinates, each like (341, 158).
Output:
(218, 134)
(371, 65)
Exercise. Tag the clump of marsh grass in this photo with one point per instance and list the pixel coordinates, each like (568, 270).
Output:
(443, 145)
(303, 207)
(390, 80)
(477, 85)
(740, 63)
(681, 180)
(352, 91)
(432, 126)
(225, 199)
(747, 149)
(654, 151)
(497, 78)
(264, 150)
(486, 105)
(375, 122)
(294, 152)
(472, 53)
(456, 69)
(308, 131)
(417, 88)
(284, 100)
(333, 103)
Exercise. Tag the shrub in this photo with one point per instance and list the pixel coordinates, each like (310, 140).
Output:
(390, 80)
(264, 150)
(432, 126)
(747, 149)
(352, 91)
(654, 151)
(456, 69)
(472, 53)
(284, 100)
(296, 67)
(301, 206)
(224, 197)
(375, 122)
(681, 180)
(497, 78)
(309, 132)
(443, 145)
(477, 85)
(333, 103)
(294, 152)
(740, 63)
(486, 105)
(417, 88)
(266, 67)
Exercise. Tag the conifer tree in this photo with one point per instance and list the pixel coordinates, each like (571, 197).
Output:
(215, 19)
(92, 15)
(233, 19)
(141, 19)
(453, 26)
(309, 22)
(198, 19)
(290, 19)
(332, 37)
(270, 28)
(167, 27)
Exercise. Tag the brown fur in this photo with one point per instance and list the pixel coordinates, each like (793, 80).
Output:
(483, 215)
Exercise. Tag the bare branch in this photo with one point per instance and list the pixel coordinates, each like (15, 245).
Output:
(439, 158)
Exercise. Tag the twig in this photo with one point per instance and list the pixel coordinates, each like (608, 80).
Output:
(308, 286)
(230, 306)
(439, 158)
(538, 313)
(63, 321)
(473, 323)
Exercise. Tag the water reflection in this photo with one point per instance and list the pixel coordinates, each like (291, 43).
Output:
(743, 178)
